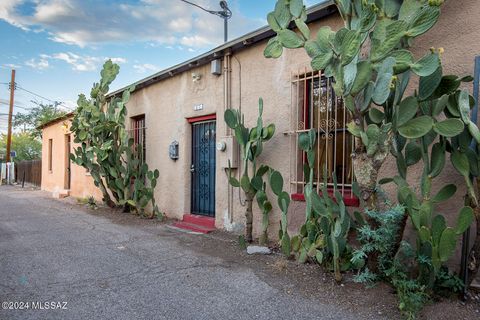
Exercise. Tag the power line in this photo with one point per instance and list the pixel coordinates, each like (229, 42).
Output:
(36, 94)
(6, 115)
(42, 97)
(16, 106)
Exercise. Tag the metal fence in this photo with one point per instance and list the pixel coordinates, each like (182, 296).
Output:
(30, 172)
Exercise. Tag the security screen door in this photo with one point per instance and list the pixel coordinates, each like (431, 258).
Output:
(203, 168)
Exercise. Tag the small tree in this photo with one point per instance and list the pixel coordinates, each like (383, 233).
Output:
(26, 146)
(106, 150)
(35, 117)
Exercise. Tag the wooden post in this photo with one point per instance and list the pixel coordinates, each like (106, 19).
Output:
(10, 115)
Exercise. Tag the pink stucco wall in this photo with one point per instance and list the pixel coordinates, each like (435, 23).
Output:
(55, 180)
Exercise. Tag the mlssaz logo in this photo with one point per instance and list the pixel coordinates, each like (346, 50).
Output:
(49, 305)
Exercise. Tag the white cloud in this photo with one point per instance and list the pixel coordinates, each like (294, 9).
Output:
(77, 62)
(146, 67)
(195, 41)
(118, 60)
(9, 66)
(165, 22)
(8, 13)
(67, 105)
(39, 64)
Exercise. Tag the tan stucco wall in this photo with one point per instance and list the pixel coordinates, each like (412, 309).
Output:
(53, 180)
(81, 185)
(168, 104)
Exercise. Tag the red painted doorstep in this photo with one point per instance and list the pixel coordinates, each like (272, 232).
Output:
(202, 118)
(196, 223)
(192, 227)
(208, 222)
(350, 200)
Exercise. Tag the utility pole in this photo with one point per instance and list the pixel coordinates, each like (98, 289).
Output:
(10, 115)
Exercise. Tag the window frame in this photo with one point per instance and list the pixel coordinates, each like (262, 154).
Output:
(302, 119)
(50, 155)
(138, 131)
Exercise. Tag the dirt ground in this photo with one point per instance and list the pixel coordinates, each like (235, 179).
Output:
(307, 280)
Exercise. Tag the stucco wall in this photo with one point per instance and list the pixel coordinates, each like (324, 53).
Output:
(55, 180)
(170, 102)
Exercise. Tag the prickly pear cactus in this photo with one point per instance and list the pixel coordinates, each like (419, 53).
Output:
(251, 143)
(371, 64)
(323, 237)
(283, 200)
(266, 207)
(371, 76)
(99, 129)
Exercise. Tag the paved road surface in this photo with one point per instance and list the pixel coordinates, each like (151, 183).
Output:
(55, 251)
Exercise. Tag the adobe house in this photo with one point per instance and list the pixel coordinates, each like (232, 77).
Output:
(180, 113)
(60, 176)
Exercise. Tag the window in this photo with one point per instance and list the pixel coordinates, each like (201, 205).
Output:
(314, 105)
(138, 133)
(50, 160)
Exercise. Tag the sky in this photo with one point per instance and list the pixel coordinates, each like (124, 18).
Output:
(57, 47)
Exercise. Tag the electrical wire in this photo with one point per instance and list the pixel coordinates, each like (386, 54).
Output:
(60, 103)
(36, 94)
(15, 105)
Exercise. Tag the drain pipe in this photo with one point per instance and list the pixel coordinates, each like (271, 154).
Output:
(227, 86)
(227, 73)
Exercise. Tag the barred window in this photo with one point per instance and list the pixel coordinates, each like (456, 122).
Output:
(315, 105)
(138, 133)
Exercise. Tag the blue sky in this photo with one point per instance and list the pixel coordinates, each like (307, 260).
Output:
(58, 46)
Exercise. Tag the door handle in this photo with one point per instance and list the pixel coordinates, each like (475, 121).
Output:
(192, 168)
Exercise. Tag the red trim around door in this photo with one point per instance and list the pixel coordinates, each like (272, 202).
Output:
(202, 118)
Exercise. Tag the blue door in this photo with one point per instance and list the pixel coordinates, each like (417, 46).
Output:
(203, 168)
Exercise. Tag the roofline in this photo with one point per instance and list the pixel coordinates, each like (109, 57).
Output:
(56, 120)
(314, 13)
